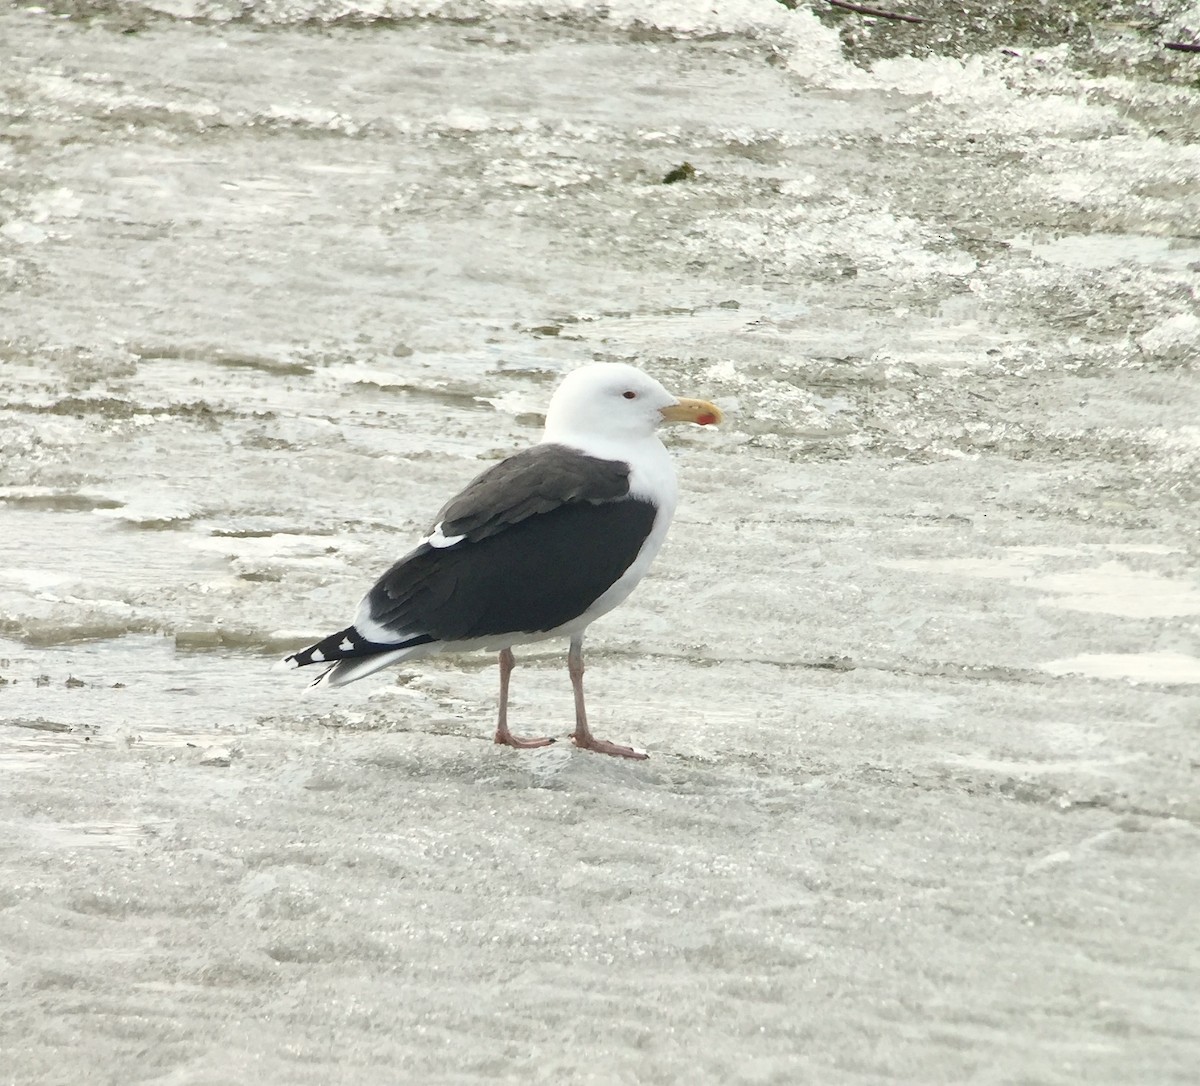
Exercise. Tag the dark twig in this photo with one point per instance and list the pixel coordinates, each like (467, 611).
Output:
(862, 9)
(1182, 46)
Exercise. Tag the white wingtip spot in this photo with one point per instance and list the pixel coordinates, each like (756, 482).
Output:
(318, 657)
(345, 646)
(437, 539)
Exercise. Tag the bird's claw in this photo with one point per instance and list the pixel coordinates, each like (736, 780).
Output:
(603, 746)
(507, 739)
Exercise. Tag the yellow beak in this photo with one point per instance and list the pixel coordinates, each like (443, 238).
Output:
(698, 411)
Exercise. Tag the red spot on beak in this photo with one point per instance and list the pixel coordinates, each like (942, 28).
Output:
(706, 419)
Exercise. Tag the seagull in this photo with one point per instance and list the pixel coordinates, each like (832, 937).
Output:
(538, 546)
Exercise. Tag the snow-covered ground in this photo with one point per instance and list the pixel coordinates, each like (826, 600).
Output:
(919, 668)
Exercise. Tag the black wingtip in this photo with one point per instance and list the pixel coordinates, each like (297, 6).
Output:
(347, 644)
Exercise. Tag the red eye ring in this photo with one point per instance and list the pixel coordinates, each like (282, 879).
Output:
(630, 395)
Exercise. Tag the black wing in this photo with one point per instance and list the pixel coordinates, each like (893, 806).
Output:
(534, 481)
(547, 532)
(530, 577)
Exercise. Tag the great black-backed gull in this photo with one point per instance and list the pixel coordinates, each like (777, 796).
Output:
(538, 546)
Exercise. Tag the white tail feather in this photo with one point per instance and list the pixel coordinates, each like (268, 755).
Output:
(348, 671)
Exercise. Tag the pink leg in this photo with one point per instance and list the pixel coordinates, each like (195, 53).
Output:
(583, 736)
(503, 736)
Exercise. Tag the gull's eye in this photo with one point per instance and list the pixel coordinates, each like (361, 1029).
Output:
(630, 395)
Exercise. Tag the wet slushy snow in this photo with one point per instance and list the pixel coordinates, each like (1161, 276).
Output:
(918, 668)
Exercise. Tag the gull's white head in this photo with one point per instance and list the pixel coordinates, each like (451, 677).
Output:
(617, 401)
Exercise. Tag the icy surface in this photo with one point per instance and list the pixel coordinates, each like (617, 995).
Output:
(919, 668)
